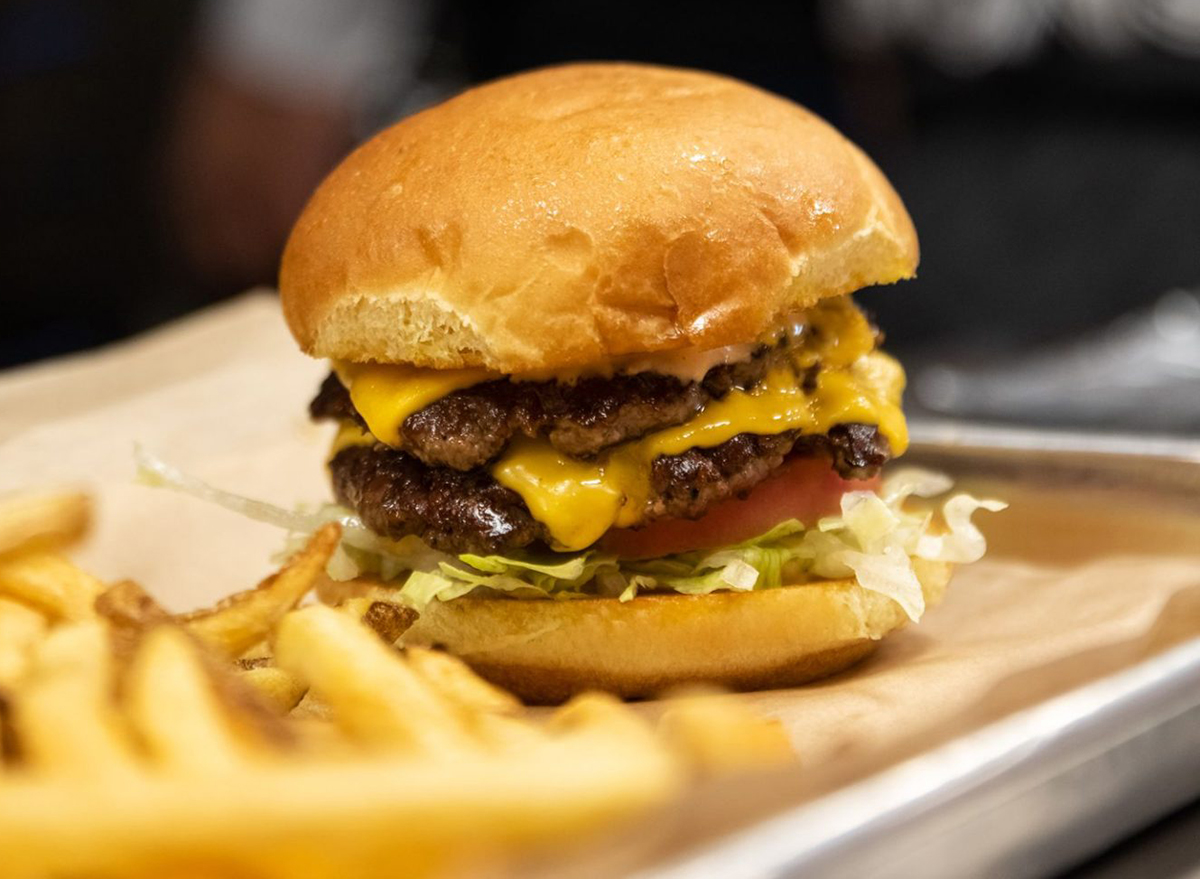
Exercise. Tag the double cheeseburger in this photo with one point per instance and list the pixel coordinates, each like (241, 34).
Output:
(602, 398)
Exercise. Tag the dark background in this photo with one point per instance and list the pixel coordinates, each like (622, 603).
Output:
(1051, 163)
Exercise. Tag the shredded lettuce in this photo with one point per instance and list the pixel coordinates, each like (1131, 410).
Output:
(361, 548)
(962, 542)
(873, 540)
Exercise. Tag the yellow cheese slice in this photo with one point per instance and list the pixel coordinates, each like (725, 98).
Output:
(578, 501)
(349, 434)
(385, 394)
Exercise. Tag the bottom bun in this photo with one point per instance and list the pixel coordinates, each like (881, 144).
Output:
(547, 651)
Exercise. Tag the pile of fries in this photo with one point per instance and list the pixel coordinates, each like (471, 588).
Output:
(261, 738)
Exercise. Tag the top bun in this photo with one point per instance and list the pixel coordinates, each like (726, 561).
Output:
(557, 218)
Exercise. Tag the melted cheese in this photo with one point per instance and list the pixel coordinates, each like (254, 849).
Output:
(349, 434)
(385, 395)
(578, 501)
(833, 333)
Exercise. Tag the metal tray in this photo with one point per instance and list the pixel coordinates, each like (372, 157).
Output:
(1045, 787)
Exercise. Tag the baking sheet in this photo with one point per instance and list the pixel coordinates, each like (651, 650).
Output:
(1093, 569)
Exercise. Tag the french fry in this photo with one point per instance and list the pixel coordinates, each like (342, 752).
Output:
(244, 619)
(63, 714)
(382, 817)
(599, 713)
(257, 739)
(717, 734)
(375, 696)
(127, 604)
(178, 710)
(130, 612)
(8, 739)
(256, 654)
(502, 733)
(337, 593)
(21, 627)
(51, 584)
(43, 521)
(487, 710)
(278, 688)
(311, 707)
(454, 680)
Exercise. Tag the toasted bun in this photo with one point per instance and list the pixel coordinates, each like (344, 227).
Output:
(564, 216)
(546, 651)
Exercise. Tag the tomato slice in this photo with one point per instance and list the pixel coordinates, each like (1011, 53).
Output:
(803, 488)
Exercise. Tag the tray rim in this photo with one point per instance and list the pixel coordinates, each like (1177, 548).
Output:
(1015, 751)
(940, 434)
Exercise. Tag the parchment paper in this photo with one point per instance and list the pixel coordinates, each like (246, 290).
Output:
(1076, 585)
(222, 395)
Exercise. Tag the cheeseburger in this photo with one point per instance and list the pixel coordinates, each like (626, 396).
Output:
(606, 413)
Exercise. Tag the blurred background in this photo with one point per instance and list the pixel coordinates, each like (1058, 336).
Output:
(154, 155)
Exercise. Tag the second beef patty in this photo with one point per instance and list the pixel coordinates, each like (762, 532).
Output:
(459, 511)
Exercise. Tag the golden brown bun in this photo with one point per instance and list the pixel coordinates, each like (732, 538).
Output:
(546, 651)
(560, 217)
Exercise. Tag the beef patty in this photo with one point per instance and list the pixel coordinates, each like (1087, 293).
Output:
(471, 426)
(458, 511)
